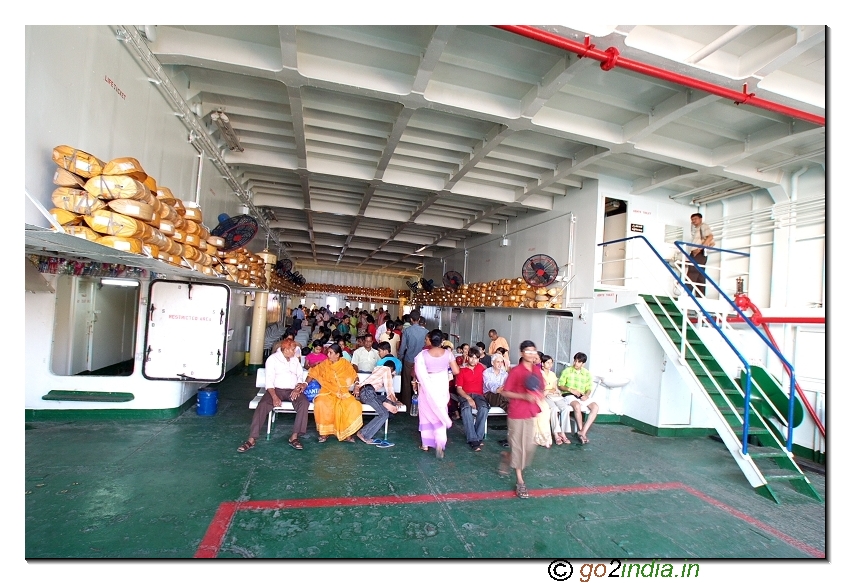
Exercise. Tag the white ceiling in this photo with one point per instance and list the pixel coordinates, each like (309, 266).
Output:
(373, 146)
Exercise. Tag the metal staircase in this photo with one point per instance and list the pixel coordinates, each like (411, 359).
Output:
(761, 455)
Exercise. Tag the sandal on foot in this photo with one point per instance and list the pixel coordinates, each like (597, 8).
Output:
(349, 440)
(323, 438)
(295, 444)
(521, 491)
(583, 438)
(384, 444)
(424, 448)
(559, 440)
(246, 446)
(440, 453)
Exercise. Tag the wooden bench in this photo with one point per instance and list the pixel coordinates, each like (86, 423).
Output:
(287, 407)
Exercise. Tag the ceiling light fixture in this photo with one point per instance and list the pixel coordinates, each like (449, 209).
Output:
(817, 152)
(694, 191)
(119, 282)
(421, 249)
(715, 196)
(227, 131)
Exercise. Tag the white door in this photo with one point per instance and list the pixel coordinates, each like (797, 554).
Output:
(113, 325)
(613, 256)
(186, 332)
(82, 324)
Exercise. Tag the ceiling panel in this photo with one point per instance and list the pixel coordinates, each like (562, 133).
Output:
(368, 143)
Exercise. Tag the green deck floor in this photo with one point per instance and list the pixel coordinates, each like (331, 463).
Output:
(158, 488)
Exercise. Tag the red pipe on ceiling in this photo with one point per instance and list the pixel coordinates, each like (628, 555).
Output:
(611, 58)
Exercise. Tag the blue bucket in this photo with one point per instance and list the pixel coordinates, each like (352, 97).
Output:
(207, 402)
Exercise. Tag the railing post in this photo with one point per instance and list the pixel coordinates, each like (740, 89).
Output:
(746, 435)
(790, 442)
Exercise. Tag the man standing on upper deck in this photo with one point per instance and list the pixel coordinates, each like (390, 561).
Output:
(412, 343)
(497, 341)
(701, 235)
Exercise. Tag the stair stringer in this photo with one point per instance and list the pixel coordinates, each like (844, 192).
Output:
(724, 430)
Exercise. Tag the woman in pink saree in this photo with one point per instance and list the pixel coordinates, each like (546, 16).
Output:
(432, 367)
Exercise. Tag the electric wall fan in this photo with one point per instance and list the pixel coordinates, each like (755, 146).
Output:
(236, 231)
(452, 280)
(539, 270)
(282, 267)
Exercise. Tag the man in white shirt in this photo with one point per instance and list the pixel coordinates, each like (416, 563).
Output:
(284, 382)
(365, 358)
(701, 235)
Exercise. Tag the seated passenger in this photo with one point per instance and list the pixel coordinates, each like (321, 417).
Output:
(335, 409)
(385, 356)
(494, 382)
(470, 391)
(461, 354)
(557, 403)
(346, 353)
(290, 334)
(576, 382)
(383, 403)
(485, 358)
(365, 358)
(316, 355)
(284, 382)
(505, 355)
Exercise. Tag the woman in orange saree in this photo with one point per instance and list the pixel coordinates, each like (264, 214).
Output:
(335, 409)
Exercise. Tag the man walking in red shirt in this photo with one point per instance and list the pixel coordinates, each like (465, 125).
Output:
(523, 388)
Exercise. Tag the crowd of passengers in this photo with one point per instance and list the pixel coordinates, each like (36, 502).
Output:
(445, 382)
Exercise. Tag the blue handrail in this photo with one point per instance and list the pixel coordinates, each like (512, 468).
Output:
(746, 429)
(790, 440)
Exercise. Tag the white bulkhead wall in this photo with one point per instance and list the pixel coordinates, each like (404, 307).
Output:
(104, 104)
(603, 335)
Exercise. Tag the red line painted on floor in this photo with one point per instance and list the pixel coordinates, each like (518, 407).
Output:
(211, 543)
(755, 522)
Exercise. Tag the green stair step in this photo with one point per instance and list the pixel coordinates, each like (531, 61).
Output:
(91, 396)
(769, 454)
(777, 477)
